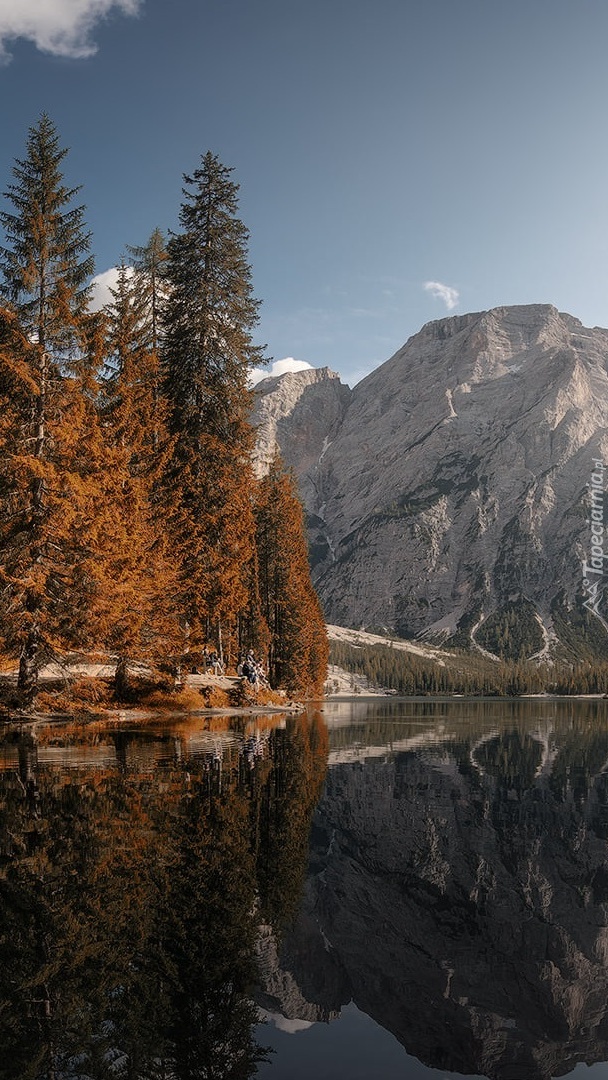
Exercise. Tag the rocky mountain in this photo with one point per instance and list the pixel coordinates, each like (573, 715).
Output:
(297, 415)
(452, 493)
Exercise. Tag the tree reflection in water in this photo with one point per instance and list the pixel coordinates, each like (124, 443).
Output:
(131, 900)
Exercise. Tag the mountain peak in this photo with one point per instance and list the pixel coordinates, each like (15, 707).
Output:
(449, 487)
(296, 379)
(297, 413)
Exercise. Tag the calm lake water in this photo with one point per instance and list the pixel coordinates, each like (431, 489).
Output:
(378, 890)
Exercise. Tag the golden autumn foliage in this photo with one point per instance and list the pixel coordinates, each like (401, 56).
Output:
(130, 520)
(50, 501)
(209, 516)
(298, 641)
(93, 566)
(135, 571)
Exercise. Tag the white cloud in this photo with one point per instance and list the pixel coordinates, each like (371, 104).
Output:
(60, 27)
(446, 293)
(280, 367)
(101, 285)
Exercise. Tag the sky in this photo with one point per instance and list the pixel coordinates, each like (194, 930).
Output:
(399, 161)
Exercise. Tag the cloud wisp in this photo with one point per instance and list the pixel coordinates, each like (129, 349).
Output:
(280, 367)
(59, 27)
(446, 293)
(101, 286)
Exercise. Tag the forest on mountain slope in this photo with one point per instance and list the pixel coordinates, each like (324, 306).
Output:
(132, 524)
(466, 673)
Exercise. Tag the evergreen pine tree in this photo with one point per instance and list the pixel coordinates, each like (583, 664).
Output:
(133, 570)
(46, 265)
(148, 262)
(48, 342)
(207, 354)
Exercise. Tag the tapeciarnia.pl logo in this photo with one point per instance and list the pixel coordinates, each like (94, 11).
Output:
(594, 570)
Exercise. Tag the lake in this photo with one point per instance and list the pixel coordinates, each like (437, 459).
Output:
(375, 889)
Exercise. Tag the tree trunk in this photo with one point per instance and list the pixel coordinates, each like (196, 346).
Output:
(121, 678)
(220, 647)
(27, 683)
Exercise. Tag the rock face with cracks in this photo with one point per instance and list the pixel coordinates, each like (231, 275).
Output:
(450, 488)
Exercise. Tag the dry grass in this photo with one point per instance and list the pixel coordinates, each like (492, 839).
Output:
(88, 696)
(84, 695)
(215, 698)
(187, 699)
(245, 696)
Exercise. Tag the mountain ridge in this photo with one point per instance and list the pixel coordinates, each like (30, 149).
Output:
(447, 492)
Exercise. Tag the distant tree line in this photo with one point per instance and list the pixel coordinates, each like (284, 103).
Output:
(467, 674)
(131, 521)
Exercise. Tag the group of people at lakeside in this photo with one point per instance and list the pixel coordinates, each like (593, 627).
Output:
(211, 663)
(253, 670)
(248, 667)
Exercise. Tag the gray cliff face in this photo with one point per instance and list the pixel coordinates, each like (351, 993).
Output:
(454, 481)
(298, 414)
(458, 894)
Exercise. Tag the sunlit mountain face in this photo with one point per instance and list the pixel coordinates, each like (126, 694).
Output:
(451, 493)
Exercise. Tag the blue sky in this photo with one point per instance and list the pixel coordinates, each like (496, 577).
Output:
(379, 145)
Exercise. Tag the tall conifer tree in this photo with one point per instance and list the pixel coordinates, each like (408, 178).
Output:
(135, 576)
(49, 346)
(208, 353)
(46, 264)
(298, 651)
(49, 504)
(148, 262)
(147, 293)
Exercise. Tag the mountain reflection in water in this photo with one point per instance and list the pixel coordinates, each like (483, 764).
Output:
(451, 888)
(457, 889)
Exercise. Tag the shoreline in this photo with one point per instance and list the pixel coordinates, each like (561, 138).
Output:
(193, 684)
(136, 713)
(383, 695)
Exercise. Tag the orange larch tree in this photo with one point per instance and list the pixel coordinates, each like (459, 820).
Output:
(298, 650)
(49, 503)
(47, 334)
(134, 572)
